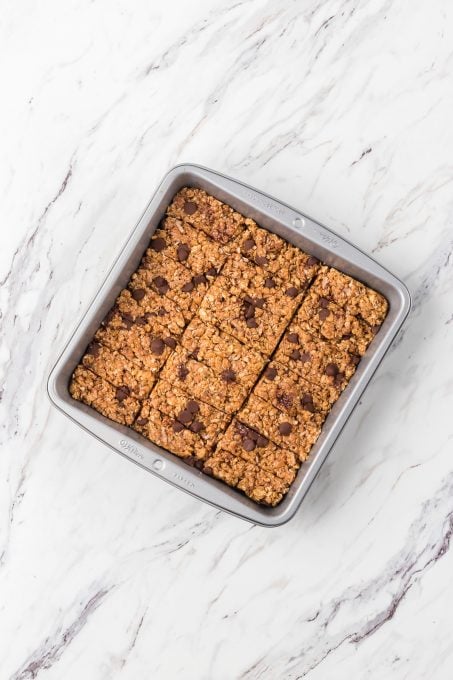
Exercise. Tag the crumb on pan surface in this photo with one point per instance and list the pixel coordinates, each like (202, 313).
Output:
(228, 347)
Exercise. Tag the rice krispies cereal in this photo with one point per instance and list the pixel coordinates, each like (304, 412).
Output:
(205, 212)
(112, 402)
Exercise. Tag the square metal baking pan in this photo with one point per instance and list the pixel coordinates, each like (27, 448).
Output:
(296, 228)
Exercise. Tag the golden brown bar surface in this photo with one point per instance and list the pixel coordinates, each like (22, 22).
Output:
(228, 347)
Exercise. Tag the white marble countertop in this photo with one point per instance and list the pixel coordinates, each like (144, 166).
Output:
(342, 109)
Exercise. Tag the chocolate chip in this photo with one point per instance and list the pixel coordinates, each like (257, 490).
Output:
(199, 279)
(228, 376)
(248, 444)
(177, 427)
(293, 337)
(323, 314)
(161, 284)
(122, 392)
(285, 429)
(110, 315)
(376, 328)
(170, 342)
(309, 406)
(251, 323)
(157, 346)
(188, 287)
(270, 373)
(286, 400)
(261, 441)
(162, 311)
(323, 302)
(185, 416)
(269, 283)
(211, 272)
(183, 372)
(196, 426)
(304, 357)
(141, 320)
(208, 470)
(312, 260)
(295, 354)
(194, 353)
(190, 207)
(249, 300)
(249, 312)
(292, 292)
(141, 421)
(248, 244)
(338, 380)
(183, 252)
(261, 261)
(138, 294)
(192, 406)
(241, 429)
(93, 349)
(331, 370)
(259, 302)
(355, 358)
(127, 323)
(306, 399)
(158, 244)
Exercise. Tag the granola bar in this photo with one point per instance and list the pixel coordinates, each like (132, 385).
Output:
(314, 359)
(142, 341)
(258, 484)
(189, 246)
(295, 433)
(320, 316)
(223, 390)
(142, 304)
(256, 321)
(290, 393)
(354, 296)
(118, 370)
(112, 402)
(222, 352)
(170, 279)
(254, 447)
(204, 420)
(205, 212)
(277, 258)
